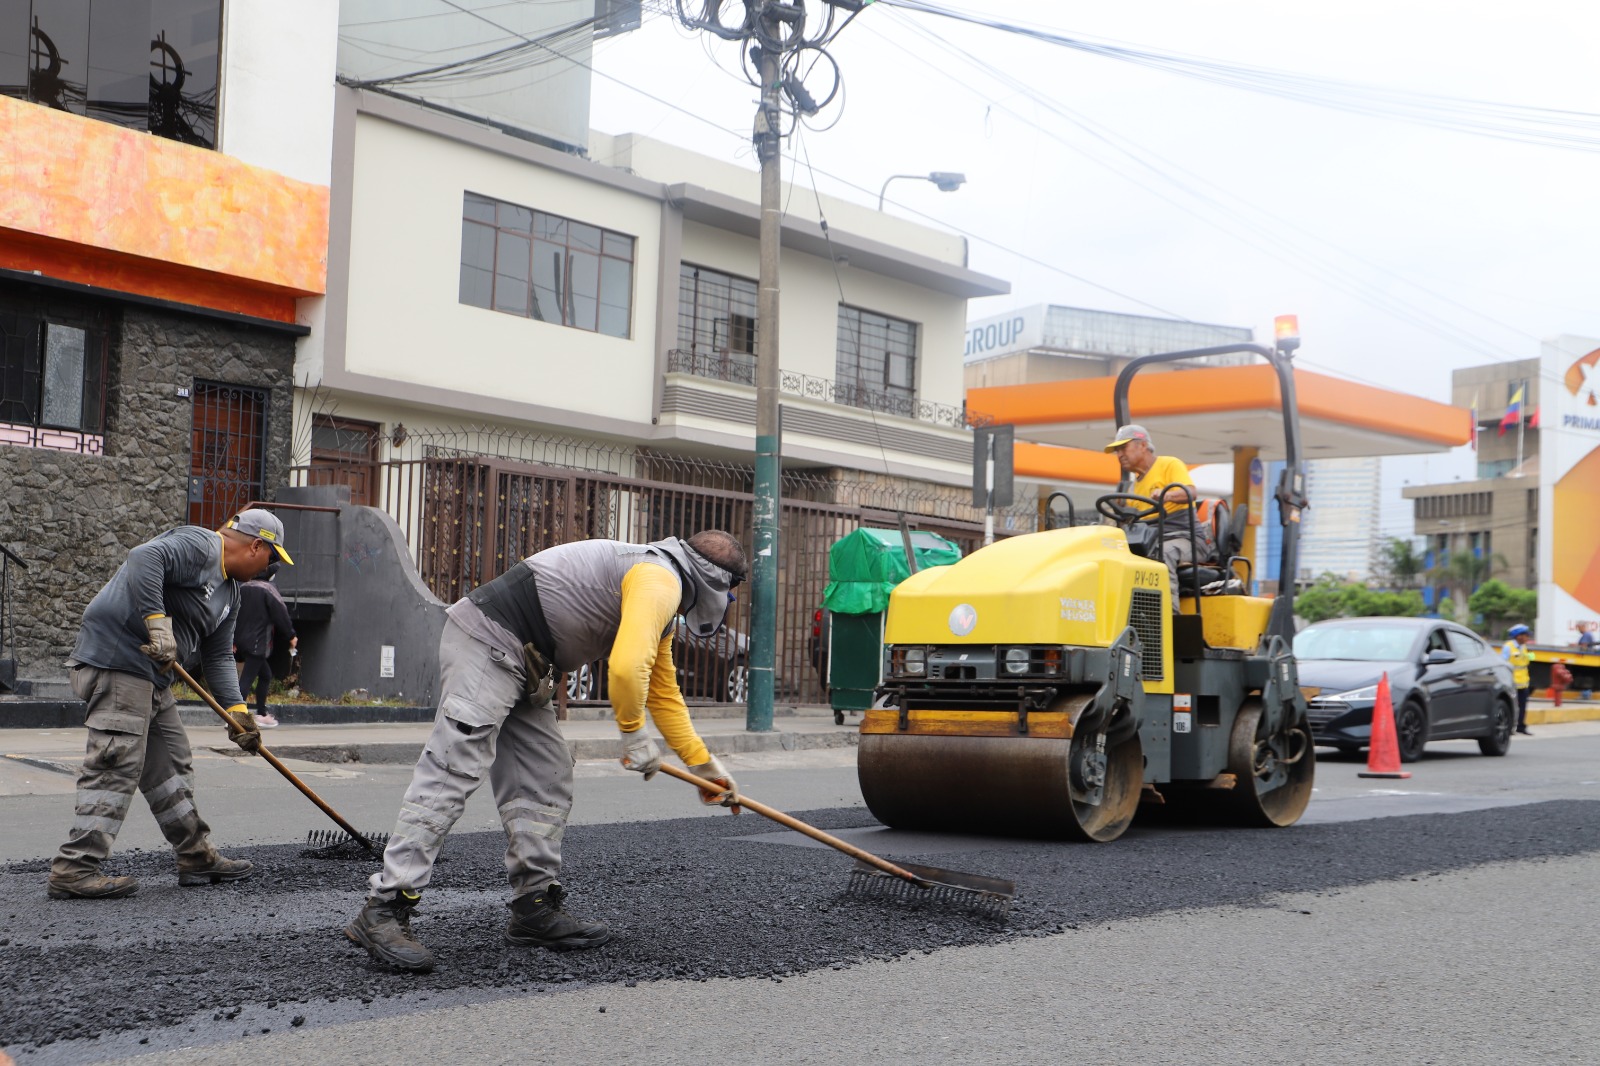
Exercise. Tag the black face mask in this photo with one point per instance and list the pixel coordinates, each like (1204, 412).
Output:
(270, 572)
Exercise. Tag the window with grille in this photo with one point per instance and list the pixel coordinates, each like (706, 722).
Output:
(538, 265)
(52, 382)
(717, 322)
(877, 361)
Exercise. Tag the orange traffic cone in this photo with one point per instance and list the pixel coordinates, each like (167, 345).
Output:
(1383, 754)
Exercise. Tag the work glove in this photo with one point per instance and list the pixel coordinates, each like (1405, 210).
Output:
(640, 754)
(714, 771)
(247, 733)
(538, 679)
(163, 646)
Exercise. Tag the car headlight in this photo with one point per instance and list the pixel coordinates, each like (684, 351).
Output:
(1016, 660)
(1356, 695)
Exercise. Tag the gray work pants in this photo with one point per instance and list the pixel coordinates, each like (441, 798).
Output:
(1176, 549)
(485, 723)
(136, 742)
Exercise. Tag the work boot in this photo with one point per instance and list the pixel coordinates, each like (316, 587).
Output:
(384, 928)
(537, 920)
(91, 886)
(215, 871)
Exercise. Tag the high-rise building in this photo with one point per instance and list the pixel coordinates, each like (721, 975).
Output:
(1339, 534)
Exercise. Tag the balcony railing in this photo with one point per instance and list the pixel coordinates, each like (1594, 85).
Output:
(737, 367)
(740, 368)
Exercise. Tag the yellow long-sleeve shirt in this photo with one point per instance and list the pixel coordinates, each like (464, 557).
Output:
(642, 674)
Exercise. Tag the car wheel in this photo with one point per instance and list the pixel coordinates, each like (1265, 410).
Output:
(580, 684)
(738, 687)
(1411, 730)
(1498, 742)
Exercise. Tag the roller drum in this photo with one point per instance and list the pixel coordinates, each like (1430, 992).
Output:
(1013, 786)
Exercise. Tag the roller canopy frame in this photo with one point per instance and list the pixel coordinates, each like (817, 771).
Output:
(1290, 493)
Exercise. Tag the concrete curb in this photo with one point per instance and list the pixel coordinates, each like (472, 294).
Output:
(406, 754)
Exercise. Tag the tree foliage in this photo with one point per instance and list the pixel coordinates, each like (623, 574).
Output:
(1465, 570)
(1501, 604)
(1334, 597)
(1400, 564)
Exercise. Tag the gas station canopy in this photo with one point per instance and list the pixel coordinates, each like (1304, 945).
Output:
(1202, 414)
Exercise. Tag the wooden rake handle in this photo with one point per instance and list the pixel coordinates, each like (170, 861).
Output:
(790, 822)
(275, 762)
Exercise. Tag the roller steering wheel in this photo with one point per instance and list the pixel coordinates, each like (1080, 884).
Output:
(1117, 507)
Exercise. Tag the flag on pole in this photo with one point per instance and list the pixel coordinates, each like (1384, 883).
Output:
(1475, 397)
(1533, 419)
(1513, 413)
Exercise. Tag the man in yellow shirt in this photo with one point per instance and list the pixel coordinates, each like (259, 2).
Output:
(501, 646)
(1153, 475)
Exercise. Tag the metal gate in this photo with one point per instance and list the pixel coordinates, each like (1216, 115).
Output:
(228, 444)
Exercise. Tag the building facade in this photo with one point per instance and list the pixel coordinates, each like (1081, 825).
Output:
(1339, 533)
(1493, 518)
(162, 231)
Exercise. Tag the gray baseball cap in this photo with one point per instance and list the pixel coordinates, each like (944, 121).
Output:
(1127, 434)
(263, 524)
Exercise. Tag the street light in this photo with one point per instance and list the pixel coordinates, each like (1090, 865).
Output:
(946, 180)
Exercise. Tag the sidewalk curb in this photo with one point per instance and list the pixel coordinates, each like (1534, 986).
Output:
(406, 754)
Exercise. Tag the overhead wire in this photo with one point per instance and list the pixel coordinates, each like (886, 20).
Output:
(1550, 127)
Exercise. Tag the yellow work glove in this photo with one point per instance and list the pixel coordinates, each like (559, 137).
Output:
(715, 772)
(247, 734)
(163, 646)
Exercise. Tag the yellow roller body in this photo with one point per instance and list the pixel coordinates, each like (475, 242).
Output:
(1064, 586)
(1232, 621)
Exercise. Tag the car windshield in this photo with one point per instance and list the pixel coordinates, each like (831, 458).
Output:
(1369, 643)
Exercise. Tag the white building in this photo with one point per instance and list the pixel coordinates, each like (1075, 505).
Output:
(1339, 534)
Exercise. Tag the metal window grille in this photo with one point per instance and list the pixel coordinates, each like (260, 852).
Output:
(52, 381)
(228, 449)
(538, 265)
(877, 361)
(717, 323)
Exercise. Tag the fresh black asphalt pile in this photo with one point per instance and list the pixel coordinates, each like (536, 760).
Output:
(80, 980)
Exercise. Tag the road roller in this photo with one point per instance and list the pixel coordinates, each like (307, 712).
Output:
(1044, 686)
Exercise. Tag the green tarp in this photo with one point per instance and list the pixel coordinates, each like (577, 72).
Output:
(864, 566)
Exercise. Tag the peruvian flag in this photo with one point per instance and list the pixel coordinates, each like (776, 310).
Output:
(1533, 419)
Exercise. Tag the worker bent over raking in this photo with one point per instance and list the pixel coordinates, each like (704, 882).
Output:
(175, 598)
(501, 646)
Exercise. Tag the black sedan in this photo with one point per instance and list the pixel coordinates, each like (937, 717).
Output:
(1445, 682)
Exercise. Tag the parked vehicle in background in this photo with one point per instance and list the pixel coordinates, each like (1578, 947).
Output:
(1445, 682)
(711, 669)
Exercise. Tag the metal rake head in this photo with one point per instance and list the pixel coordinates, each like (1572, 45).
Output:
(986, 896)
(333, 844)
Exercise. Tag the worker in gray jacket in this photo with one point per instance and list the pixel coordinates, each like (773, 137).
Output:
(174, 599)
(556, 610)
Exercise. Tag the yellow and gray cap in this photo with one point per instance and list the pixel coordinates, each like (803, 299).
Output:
(1128, 434)
(263, 525)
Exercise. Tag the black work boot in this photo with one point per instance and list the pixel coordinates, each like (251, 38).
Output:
(91, 886)
(384, 928)
(537, 920)
(214, 871)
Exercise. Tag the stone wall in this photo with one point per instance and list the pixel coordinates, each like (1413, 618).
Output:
(73, 517)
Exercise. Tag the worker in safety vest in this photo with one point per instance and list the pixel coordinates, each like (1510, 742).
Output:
(1515, 652)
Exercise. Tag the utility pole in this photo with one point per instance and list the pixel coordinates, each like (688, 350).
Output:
(782, 44)
(769, 454)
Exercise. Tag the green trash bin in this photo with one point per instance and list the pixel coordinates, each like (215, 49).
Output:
(862, 569)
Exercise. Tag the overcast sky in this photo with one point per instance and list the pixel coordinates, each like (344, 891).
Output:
(1406, 250)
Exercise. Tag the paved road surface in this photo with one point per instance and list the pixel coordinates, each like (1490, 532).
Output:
(1463, 923)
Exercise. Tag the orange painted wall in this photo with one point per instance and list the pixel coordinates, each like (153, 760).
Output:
(147, 213)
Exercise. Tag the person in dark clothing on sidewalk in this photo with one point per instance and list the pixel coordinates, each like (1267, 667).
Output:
(263, 624)
(176, 598)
